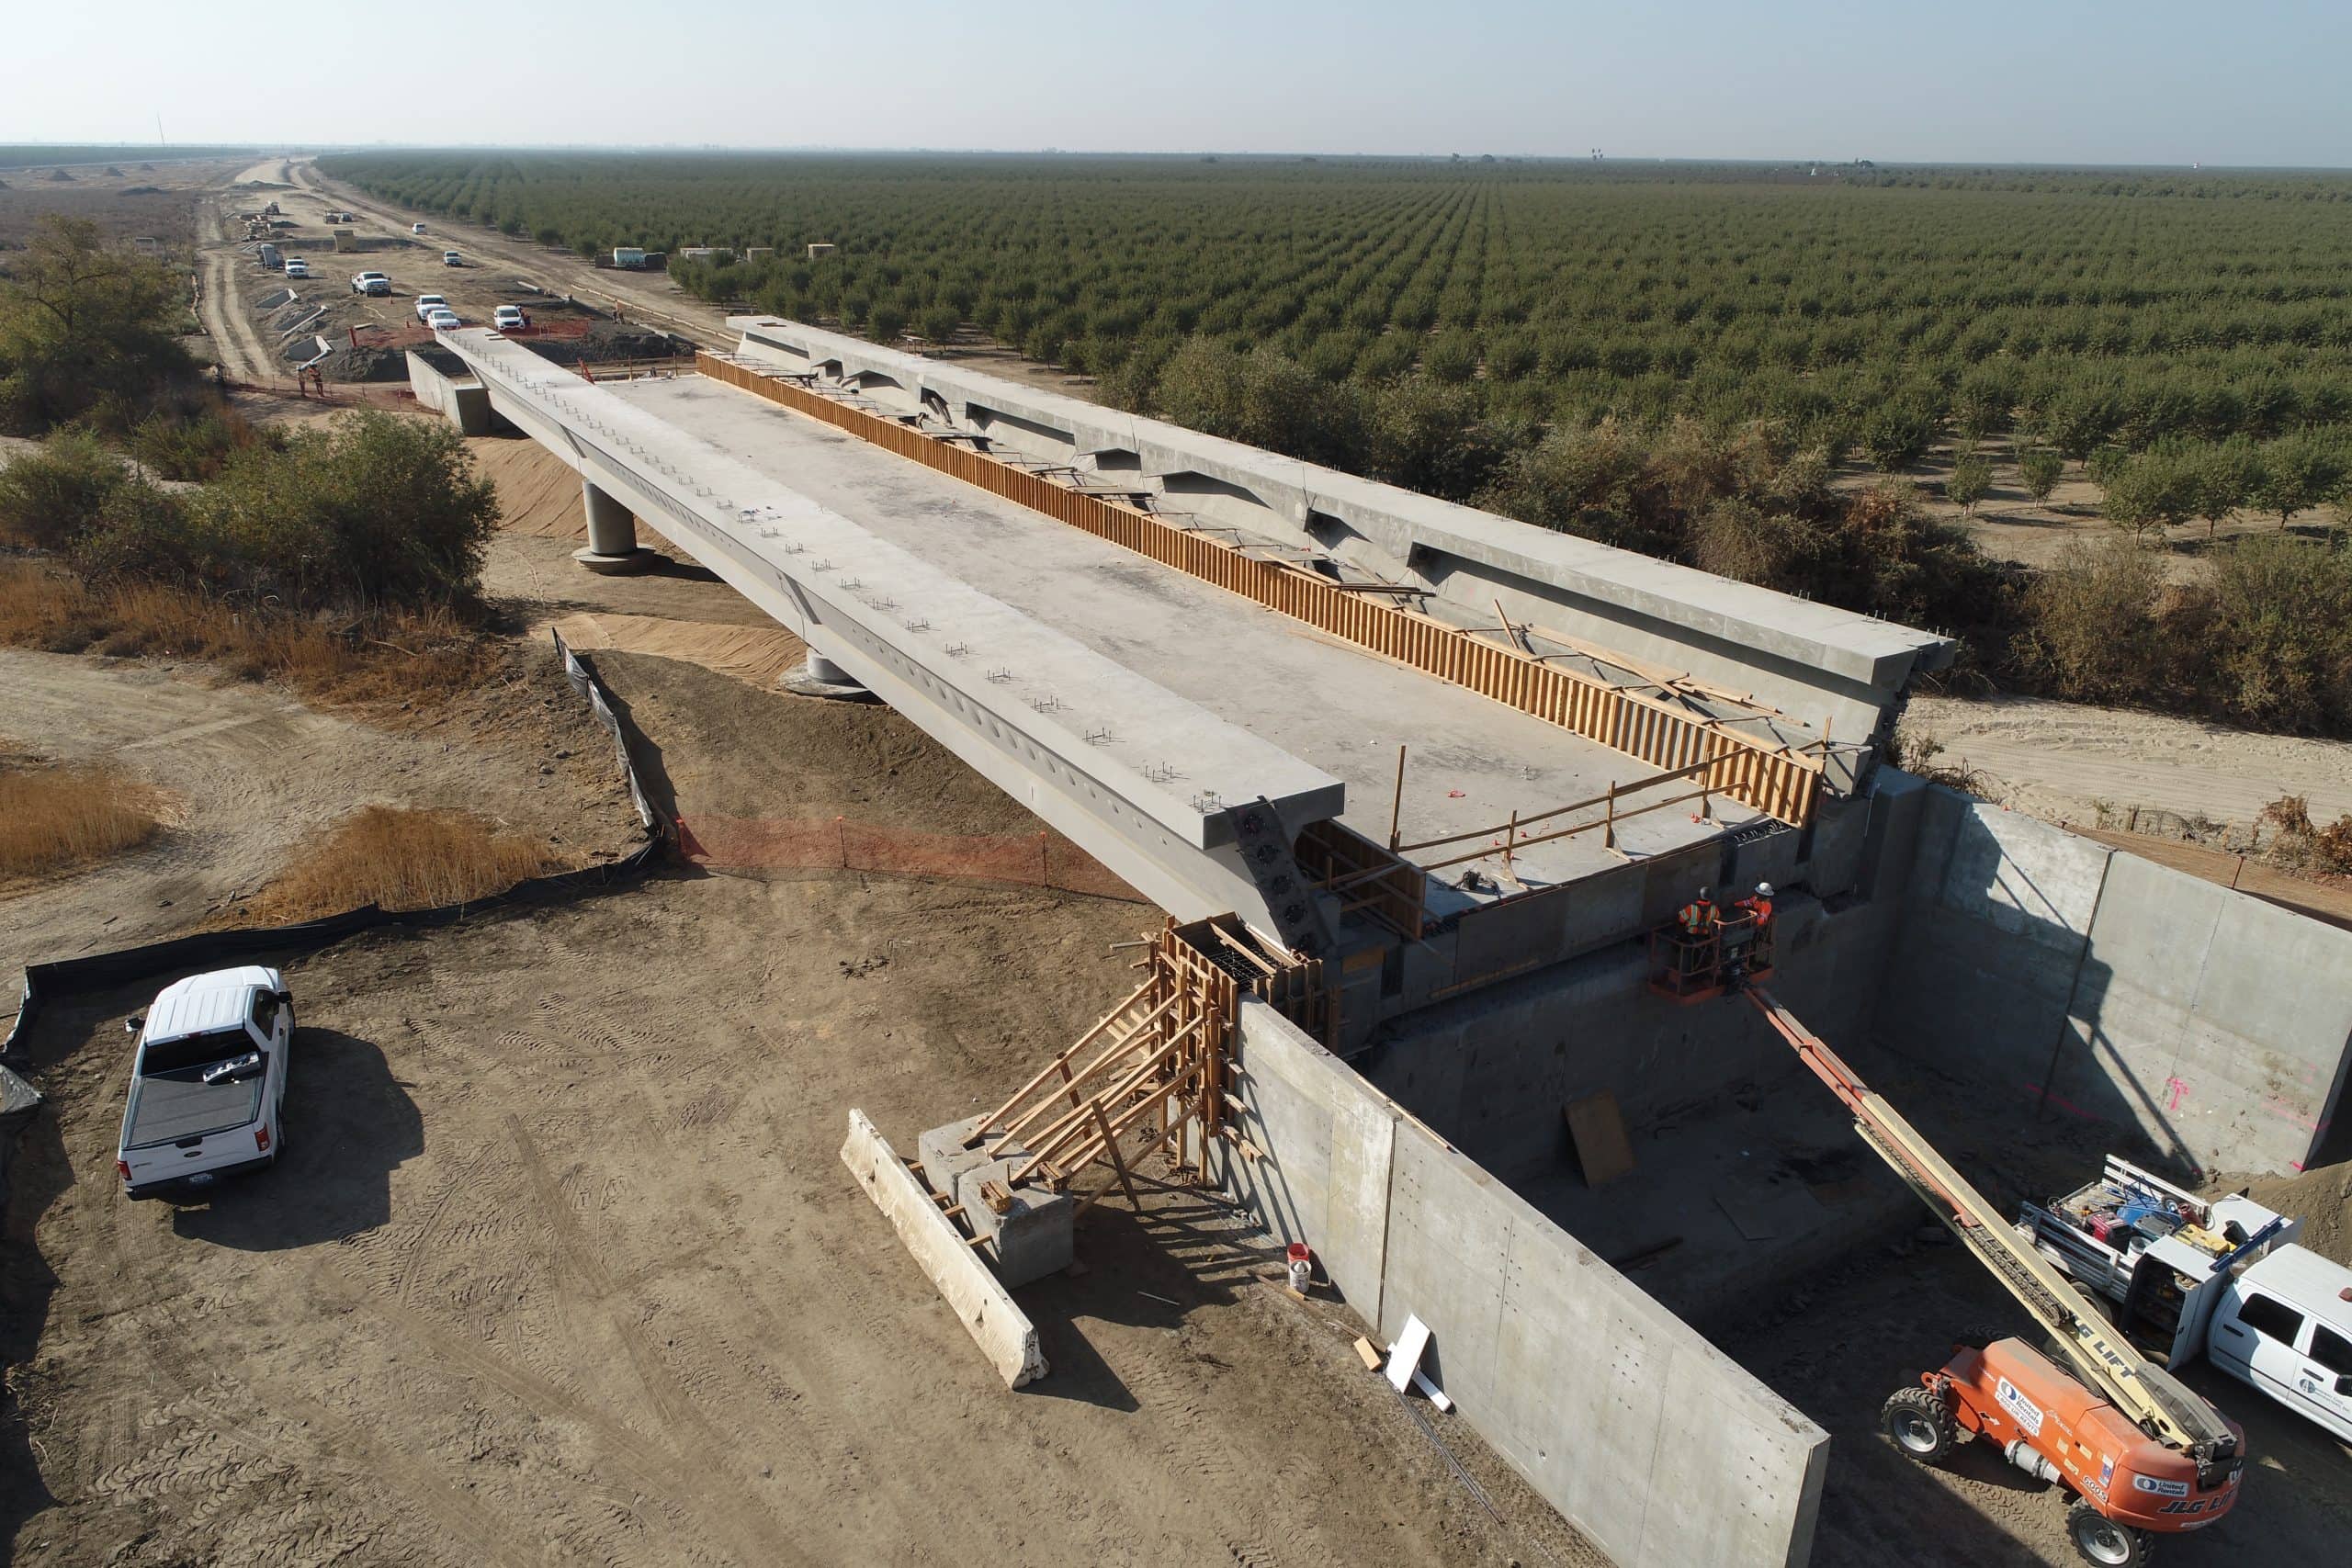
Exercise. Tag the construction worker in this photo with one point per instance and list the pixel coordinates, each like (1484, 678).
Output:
(1745, 945)
(1697, 920)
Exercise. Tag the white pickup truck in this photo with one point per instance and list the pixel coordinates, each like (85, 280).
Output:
(208, 1081)
(2224, 1278)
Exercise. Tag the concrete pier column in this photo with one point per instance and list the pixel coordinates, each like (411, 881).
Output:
(818, 676)
(612, 535)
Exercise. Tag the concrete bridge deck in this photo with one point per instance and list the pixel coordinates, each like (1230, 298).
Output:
(1142, 671)
(1338, 709)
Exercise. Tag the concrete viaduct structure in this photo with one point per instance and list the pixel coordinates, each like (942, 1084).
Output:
(1063, 596)
(1199, 661)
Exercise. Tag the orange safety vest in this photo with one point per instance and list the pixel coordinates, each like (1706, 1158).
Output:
(1759, 907)
(1697, 916)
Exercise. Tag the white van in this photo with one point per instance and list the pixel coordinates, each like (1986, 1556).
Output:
(2284, 1326)
(208, 1081)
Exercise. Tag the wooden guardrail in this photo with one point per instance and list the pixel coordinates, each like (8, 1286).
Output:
(1776, 780)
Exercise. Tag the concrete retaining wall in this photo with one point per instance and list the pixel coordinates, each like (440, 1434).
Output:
(463, 400)
(2076, 980)
(1660, 1448)
(1491, 1070)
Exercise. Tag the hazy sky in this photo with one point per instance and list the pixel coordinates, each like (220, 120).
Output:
(2058, 81)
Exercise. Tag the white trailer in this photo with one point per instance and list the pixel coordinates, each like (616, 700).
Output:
(2185, 1277)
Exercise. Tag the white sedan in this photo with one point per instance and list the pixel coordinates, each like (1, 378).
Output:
(442, 321)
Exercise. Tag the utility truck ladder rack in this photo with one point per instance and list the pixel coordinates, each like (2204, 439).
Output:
(2165, 1408)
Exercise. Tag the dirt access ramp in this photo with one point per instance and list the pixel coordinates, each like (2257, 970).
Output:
(2063, 760)
(757, 655)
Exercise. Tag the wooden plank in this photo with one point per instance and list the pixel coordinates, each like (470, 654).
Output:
(1001, 1111)
(976, 1296)
(1597, 1129)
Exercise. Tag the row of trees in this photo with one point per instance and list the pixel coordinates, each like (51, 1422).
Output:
(2178, 482)
(2087, 311)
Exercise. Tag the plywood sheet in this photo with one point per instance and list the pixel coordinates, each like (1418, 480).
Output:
(1597, 1128)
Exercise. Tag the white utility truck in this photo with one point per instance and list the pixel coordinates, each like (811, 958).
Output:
(2184, 1276)
(208, 1081)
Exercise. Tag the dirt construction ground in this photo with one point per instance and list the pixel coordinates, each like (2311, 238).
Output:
(563, 1267)
(562, 1264)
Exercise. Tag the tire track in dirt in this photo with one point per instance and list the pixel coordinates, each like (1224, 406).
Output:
(644, 1062)
(666, 1478)
(1178, 1415)
(210, 1391)
(577, 1253)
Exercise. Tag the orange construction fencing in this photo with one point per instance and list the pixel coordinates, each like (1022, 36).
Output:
(776, 843)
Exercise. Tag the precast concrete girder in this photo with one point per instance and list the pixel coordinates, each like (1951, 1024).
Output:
(1830, 669)
(1135, 775)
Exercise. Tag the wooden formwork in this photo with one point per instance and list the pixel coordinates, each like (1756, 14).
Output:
(1365, 876)
(1160, 1061)
(1772, 778)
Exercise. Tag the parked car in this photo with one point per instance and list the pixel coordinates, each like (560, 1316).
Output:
(443, 319)
(451, 258)
(509, 318)
(297, 267)
(428, 303)
(371, 283)
(208, 1081)
(417, 227)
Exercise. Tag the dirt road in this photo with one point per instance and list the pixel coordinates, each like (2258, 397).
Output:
(220, 300)
(248, 772)
(2060, 760)
(648, 297)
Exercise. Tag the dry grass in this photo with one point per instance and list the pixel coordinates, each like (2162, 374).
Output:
(55, 818)
(401, 858)
(405, 657)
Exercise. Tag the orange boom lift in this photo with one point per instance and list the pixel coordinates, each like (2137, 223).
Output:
(2141, 1453)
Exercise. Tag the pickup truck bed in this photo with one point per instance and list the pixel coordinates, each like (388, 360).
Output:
(169, 1106)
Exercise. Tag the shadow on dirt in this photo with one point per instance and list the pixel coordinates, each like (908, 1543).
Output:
(1185, 1250)
(349, 1125)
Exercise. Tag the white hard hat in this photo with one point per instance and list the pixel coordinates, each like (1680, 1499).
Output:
(1764, 890)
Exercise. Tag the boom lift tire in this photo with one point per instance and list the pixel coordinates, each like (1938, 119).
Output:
(1921, 1423)
(2102, 1541)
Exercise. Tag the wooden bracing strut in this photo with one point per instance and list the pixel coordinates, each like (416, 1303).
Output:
(1158, 1066)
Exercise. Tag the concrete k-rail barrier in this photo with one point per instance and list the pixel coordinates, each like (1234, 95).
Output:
(1661, 1450)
